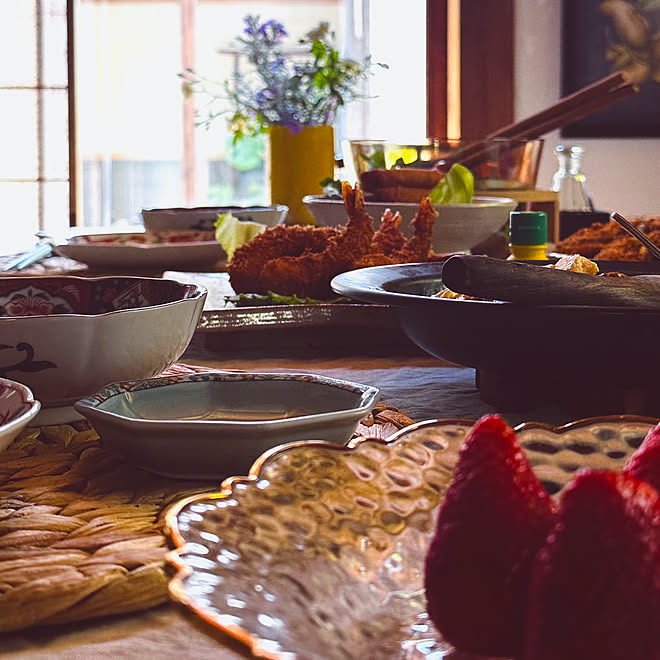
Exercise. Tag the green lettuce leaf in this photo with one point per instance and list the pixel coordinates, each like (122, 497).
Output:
(231, 232)
(271, 298)
(455, 188)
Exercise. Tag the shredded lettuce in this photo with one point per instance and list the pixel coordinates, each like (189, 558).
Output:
(457, 187)
(231, 232)
(271, 298)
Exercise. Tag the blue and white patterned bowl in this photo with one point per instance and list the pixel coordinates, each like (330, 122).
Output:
(214, 424)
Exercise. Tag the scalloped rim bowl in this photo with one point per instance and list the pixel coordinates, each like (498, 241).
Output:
(212, 424)
(17, 408)
(65, 337)
(319, 552)
(458, 227)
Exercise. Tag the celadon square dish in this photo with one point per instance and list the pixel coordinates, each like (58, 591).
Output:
(211, 425)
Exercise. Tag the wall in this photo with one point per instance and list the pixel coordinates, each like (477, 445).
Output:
(622, 174)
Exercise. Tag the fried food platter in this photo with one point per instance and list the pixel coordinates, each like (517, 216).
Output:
(225, 326)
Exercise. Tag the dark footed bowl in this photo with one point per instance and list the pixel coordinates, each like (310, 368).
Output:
(575, 344)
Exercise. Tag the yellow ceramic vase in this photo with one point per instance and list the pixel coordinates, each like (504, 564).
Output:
(297, 163)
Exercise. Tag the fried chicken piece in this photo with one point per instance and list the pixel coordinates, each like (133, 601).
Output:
(247, 263)
(589, 240)
(309, 274)
(628, 248)
(576, 263)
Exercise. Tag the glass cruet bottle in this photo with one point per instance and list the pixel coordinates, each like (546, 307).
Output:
(569, 180)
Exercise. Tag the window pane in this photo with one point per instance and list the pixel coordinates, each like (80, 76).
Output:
(22, 199)
(130, 119)
(17, 43)
(56, 207)
(18, 134)
(56, 134)
(54, 65)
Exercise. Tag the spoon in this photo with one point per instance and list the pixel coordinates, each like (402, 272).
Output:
(633, 231)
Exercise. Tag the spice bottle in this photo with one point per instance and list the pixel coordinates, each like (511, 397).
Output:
(528, 235)
(569, 180)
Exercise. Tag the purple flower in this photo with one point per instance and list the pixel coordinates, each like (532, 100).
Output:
(277, 65)
(273, 32)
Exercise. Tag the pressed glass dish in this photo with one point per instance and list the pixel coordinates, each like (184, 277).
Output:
(319, 552)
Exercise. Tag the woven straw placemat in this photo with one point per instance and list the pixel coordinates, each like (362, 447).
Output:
(81, 531)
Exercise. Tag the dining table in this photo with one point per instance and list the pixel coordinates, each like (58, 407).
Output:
(421, 386)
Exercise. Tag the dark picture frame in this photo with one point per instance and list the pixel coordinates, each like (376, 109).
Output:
(591, 39)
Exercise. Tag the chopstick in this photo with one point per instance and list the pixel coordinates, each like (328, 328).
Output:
(633, 231)
(589, 99)
(580, 104)
(26, 259)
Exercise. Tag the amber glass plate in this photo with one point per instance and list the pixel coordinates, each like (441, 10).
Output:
(319, 552)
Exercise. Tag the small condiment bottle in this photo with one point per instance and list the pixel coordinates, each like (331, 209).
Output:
(528, 235)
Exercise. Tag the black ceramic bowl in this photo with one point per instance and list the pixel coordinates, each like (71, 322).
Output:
(566, 345)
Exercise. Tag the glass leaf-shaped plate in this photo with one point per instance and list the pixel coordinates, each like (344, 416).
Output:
(319, 552)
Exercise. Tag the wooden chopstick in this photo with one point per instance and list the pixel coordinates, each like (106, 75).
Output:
(573, 107)
(597, 94)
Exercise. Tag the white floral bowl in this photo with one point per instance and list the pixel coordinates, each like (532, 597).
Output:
(213, 424)
(458, 227)
(17, 408)
(65, 337)
(204, 217)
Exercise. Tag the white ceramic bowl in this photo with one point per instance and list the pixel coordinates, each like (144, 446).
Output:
(204, 217)
(17, 408)
(458, 227)
(211, 425)
(65, 337)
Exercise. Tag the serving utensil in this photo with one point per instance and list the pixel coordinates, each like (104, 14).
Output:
(497, 279)
(633, 231)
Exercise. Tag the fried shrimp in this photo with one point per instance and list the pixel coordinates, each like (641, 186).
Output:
(309, 274)
(416, 248)
(302, 260)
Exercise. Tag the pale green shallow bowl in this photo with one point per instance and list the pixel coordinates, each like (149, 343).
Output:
(213, 424)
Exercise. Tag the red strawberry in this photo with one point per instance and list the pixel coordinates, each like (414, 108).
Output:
(645, 462)
(494, 518)
(595, 589)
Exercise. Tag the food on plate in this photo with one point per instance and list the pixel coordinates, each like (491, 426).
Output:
(645, 462)
(145, 238)
(494, 518)
(301, 260)
(407, 184)
(595, 586)
(512, 571)
(410, 184)
(456, 187)
(610, 242)
(231, 232)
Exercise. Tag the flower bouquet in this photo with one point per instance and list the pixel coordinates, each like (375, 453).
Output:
(292, 95)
